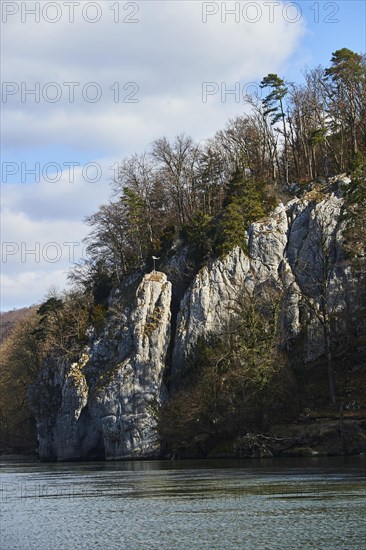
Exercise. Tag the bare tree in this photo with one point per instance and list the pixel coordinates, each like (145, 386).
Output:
(177, 163)
(319, 271)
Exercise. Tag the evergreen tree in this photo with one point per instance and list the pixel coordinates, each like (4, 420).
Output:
(347, 78)
(244, 205)
(274, 108)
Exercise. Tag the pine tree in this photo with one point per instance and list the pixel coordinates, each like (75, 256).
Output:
(347, 79)
(273, 105)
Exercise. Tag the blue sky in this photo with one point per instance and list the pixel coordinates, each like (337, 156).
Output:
(158, 64)
(341, 24)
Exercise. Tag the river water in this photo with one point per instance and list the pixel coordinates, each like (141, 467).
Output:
(315, 503)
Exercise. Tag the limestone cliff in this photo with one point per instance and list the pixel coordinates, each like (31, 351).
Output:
(297, 250)
(126, 400)
(105, 404)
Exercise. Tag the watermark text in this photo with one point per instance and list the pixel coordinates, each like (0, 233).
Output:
(71, 12)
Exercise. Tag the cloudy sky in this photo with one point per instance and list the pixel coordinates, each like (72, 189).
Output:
(85, 84)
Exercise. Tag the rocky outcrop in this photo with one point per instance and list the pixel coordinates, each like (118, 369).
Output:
(126, 404)
(296, 251)
(209, 302)
(105, 405)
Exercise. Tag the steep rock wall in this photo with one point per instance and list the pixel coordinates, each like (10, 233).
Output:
(297, 250)
(105, 404)
(125, 406)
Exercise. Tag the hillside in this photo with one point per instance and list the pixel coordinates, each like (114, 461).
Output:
(9, 319)
(17, 370)
(220, 307)
(246, 351)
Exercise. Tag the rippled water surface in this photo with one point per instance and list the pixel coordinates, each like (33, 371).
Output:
(268, 504)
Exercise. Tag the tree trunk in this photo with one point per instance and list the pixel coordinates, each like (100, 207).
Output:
(328, 352)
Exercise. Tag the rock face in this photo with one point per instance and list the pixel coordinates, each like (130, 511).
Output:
(125, 406)
(296, 251)
(105, 405)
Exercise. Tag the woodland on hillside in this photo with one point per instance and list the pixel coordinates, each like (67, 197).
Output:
(205, 196)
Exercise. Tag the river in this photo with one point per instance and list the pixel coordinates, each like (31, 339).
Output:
(313, 503)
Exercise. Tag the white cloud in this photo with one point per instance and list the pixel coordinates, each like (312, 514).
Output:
(169, 53)
(29, 287)
(42, 232)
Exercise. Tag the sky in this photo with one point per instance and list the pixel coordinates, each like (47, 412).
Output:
(86, 84)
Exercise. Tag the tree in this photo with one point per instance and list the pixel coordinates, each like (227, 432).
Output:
(110, 240)
(199, 235)
(144, 197)
(62, 324)
(244, 203)
(177, 168)
(307, 121)
(355, 246)
(139, 226)
(355, 199)
(20, 362)
(347, 78)
(274, 107)
(319, 271)
(211, 169)
(231, 230)
(234, 380)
